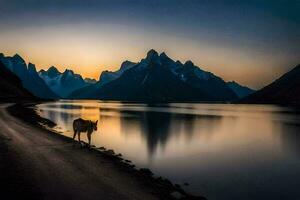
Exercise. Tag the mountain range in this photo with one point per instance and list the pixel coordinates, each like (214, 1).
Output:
(154, 78)
(284, 90)
(64, 83)
(158, 78)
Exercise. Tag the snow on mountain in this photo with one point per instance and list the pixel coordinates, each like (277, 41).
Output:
(63, 83)
(159, 78)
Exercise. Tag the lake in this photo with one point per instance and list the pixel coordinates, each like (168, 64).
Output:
(222, 151)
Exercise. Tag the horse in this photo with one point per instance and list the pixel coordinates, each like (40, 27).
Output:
(81, 125)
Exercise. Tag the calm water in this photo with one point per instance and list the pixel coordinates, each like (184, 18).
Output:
(223, 151)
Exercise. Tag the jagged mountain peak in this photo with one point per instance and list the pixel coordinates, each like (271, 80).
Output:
(68, 72)
(126, 64)
(17, 56)
(52, 68)
(178, 62)
(165, 58)
(163, 55)
(152, 55)
(152, 52)
(189, 64)
(19, 60)
(31, 67)
(52, 72)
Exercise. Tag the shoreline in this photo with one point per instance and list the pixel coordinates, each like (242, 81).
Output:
(163, 188)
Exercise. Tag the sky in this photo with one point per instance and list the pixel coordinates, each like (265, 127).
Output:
(252, 42)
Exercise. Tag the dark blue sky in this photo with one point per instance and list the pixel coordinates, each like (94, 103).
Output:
(239, 40)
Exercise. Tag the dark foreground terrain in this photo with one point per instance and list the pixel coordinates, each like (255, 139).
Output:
(39, 164)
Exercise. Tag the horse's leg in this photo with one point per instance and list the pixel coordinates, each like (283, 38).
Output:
(74, 142)
(79, 137)
(75, 132)
(89, 138)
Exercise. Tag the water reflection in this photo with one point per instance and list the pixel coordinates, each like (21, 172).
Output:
(223, 151)
(290, 137)
(155, 129)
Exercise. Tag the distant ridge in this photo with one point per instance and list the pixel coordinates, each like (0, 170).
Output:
(157, 78)
(64, 83)
(105, 77)
(108, 76)
(285, 90)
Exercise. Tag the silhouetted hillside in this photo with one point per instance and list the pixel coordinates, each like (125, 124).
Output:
(11, 89)
(28, 75)
(240, 91)
(285, 90)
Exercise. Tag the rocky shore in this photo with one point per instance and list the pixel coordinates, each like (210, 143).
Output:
(159, 187)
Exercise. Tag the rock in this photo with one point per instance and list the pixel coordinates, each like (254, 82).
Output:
(176, 195)
(146, 172)
(168, 182)
(127, 161)
(110, 151)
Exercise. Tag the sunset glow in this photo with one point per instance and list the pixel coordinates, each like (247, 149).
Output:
(249, 43)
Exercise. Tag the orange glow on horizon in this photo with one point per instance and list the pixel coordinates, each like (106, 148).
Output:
(90, 52)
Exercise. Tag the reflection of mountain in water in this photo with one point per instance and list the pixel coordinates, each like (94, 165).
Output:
(158, 127)
(154, 126)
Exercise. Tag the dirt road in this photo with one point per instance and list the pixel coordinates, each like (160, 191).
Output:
(38, 165)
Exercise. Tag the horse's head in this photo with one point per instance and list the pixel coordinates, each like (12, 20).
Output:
(94, 124)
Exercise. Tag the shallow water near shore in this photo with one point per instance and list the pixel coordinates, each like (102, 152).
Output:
(222, 151)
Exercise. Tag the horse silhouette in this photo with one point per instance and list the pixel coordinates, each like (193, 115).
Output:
(81, 125)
